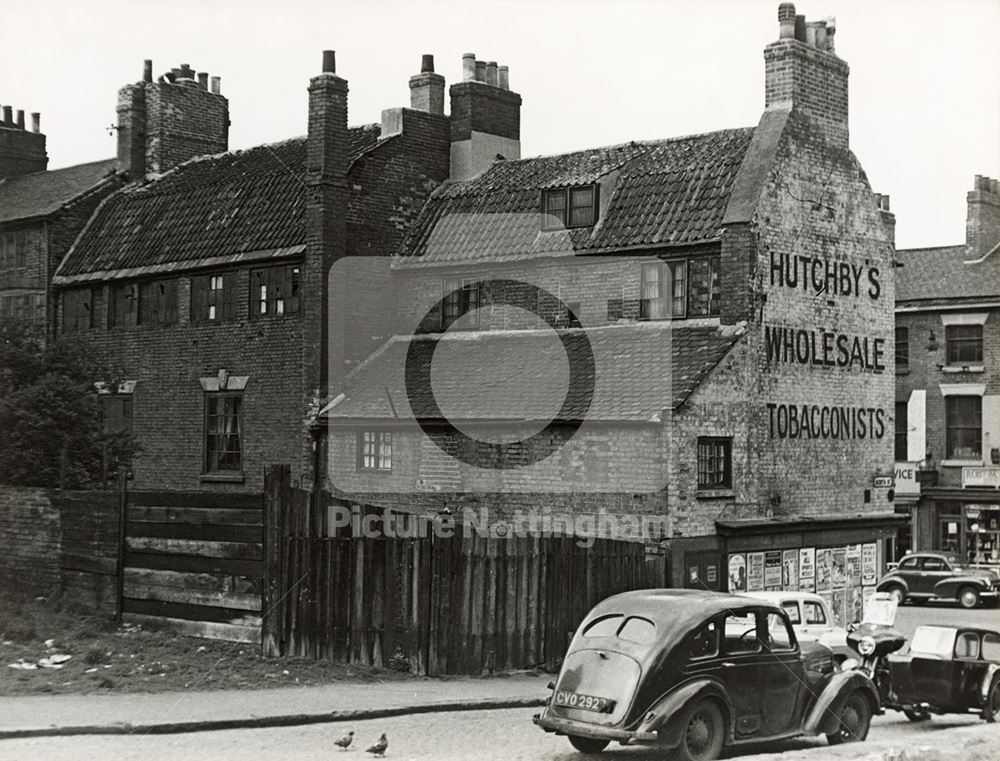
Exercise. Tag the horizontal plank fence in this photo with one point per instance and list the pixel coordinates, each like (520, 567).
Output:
(194, 563)
(465, 604)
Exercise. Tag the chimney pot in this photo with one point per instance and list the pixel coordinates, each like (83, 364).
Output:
(427, 64)
(503, 77)
(786, 21)
(821, 35)
(147, 70)
(20, 118)
(468, 67)
(491, 73)
(216, 83)
(480, 71)
(8, 116)
(800, 28)
(976, 185)
(203, 79)
(36, 122)
(186, 71)
(329, 62)
(811, 34)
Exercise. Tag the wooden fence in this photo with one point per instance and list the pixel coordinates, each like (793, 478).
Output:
(464, 604)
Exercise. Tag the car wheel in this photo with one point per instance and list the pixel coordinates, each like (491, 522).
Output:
(991, 708)
(702, 733)
(855, 717)
(968, 597)
(588, 744)
(897, 593)
(916, 715)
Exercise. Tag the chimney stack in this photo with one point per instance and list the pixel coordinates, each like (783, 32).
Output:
(485, 118)
(36, 122)
(888, 218)
(21, 152)
(427, 88)
(802, 68)
(982, 223)
(165, 122)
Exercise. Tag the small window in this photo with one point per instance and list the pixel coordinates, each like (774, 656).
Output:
(965, 344)
(964, 425)
(569, 207)
(158, 302)
(636, 629)
(715, 469)
(223, 432)
(910, 562)
(901, 431)
(991, 647)
(460, 303)
(78, 309)
(704, 642)
(791, 609)
(779, 632)
(741, 633)
(663, 293)
(967, 645)
(814, 612)
(275, 291)
(375, 450)
(213, 298)
(934, 564)
(902, 348)
(605, 626)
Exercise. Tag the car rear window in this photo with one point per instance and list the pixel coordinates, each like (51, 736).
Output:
(932, 640)
(991, 647)
(605, 626)
(814, 613)
(636, 629)
(967, 645)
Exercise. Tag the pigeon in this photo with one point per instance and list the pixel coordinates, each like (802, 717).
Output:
(345, 741)
(378, 749)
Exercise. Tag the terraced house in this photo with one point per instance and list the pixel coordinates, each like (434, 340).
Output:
(694, 333)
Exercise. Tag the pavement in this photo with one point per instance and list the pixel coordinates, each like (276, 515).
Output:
(172, 712)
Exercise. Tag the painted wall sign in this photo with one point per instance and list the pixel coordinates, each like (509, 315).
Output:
(823, 348)
(737, 573)
(812, 421)
(976, 476)
(816, 275)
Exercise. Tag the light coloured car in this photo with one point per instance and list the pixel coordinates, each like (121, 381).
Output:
(811, 619)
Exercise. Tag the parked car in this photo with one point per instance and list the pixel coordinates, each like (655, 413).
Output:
(948, 670)
(922, 576)
(697, 671)
(811, 619)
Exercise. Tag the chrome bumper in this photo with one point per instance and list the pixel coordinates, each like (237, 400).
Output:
(583, 729)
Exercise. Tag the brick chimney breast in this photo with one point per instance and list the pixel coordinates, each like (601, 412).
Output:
(427, 88)
(802, 68)
(485, 118)
(22, 151)
(982, 223)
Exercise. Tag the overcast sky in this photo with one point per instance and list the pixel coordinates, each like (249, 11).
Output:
(925, 76)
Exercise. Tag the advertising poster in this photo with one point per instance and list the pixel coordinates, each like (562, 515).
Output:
(839, 572)
(807, 569)
(854, 565)
(824, 561)
(755, 572)
(869, 563)
(839, 597)
(772, 570)
(827, 596)
(790, 570)
(855, 610)
(738, 572)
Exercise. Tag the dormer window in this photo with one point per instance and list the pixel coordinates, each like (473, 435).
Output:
(569, 207)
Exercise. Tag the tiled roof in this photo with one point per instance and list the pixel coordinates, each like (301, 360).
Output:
(641, 370)
(669, 192)
(42, 193)
(947, 272)
(213, 206)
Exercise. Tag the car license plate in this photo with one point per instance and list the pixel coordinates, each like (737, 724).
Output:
(585, 702)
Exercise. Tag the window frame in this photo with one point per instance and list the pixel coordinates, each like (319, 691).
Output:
(902, 423)
(453, 289)
(955, 344)
(74, 296)
(556, 217)
(727, 463)
(205, 297)
(378, 457)
(207, 434)
(669, 302)
(162, 309)
(902, 353)
(950, 402)
(283, 275)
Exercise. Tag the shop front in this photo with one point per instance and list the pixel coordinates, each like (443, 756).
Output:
(965, 522)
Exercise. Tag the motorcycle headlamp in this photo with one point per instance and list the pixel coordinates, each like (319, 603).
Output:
(866, 646)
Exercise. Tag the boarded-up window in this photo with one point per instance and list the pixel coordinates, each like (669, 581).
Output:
(275, 291)
(213, 297)
(78, 309)
(158, 302)
(122, 298)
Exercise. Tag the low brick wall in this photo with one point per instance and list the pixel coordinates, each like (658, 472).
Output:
(30, 539)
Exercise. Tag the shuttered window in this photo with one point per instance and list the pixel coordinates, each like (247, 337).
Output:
(213, 297)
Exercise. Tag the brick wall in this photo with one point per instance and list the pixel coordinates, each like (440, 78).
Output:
(21, 152)
(183, 121)
(29, 539)
(982, 223)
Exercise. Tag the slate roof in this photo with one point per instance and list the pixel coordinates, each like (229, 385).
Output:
(641, 370)
(43, 193)
(931, 274)
(229, 204)
(668, 193)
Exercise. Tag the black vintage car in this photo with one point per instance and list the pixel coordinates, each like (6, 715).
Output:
(697, 671)
(948, 670)
(924, 576)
